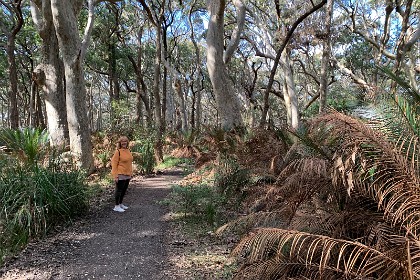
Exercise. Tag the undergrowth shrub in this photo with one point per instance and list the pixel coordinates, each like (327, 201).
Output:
(169, 162)
(104, 157)
(147, 151)
(34, 200)
(198, 202)
(231, 181)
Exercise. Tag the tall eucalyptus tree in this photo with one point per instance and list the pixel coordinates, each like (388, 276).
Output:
(156, 17)
(228, 105)
(325, 62)
(282, 57)
(196, 73)
(49, 75)
(73, 50)
(11, 23)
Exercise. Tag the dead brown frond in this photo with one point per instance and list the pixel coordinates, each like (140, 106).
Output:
(365, 159)
(347, 206)
(276, 269)
(263, 149)
(185, 152)
(345, 257)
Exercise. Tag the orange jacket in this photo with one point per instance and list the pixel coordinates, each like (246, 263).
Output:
(121, 163)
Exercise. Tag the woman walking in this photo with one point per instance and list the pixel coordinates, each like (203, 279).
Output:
(122, 170)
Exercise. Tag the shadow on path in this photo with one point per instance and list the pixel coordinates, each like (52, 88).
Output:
(109, 245)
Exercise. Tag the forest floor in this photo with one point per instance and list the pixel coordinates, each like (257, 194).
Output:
(145, 242)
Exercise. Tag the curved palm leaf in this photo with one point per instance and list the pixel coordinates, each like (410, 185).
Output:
(365, 159)
(275, 246)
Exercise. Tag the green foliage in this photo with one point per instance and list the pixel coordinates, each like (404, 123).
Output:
(104, 157)
(200, 202)
(340, 99)
(27, 144)
(406, 98)
(38, 189)
(231, 180)
(34, 199)
(169, 162)
(399, 113)
(121, 118)
(145, 148)
(220, 141)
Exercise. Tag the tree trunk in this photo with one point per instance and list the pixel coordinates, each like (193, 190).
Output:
(182, 107)
(290, 95)
(16, 10)
(13, 82)
(196, 75)
(156, 95)
(323, 87)
(65, 22)
(114, 87)
(49, 75)
(32, 104)
(141, 85)
(278, 55)
(227, 102)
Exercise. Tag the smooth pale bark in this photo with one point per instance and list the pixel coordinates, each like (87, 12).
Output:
(49, 75)
(325, 62)
(236, 34)
(73, 50)
(141, 88)
(401, 57)
(181, 113)
(165, 54)
(278, 55)
(157, 21)
(182, 107)
(290, 95)
(358, 80)
(227, 101)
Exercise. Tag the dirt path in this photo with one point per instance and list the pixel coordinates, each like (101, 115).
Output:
(108, 245)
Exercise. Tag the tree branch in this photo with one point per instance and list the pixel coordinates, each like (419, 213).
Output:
(280, 51)
(236, 34)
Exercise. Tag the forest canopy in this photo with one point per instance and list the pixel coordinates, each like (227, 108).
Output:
(179, 65)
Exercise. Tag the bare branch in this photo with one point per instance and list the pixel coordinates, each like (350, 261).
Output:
(236, 34)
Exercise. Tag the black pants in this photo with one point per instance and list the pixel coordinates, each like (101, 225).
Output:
(120, 189)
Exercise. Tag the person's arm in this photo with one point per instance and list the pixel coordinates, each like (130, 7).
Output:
(114, 165)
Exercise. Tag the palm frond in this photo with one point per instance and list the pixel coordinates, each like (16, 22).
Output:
(312, 140)
(277, 269)
(404, 85)
(365, 159)
(400, 112)
(346, 257)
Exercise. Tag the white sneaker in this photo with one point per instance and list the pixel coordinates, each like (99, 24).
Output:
(117, 208)
(123, 206)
